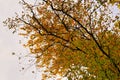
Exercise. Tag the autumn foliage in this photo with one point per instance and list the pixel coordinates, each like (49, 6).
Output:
(74, 39)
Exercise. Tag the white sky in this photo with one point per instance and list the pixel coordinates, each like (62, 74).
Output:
(9, 67)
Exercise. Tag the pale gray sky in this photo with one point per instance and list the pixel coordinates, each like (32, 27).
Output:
(9, 67)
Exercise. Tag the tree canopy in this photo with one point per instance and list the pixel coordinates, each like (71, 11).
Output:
(77, 39)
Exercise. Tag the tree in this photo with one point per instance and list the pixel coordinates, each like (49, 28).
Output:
(73, 39)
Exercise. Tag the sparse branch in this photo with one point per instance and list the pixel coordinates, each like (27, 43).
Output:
(74, 49)
(62, 20)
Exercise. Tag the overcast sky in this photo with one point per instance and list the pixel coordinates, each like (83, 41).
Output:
(9, 64)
